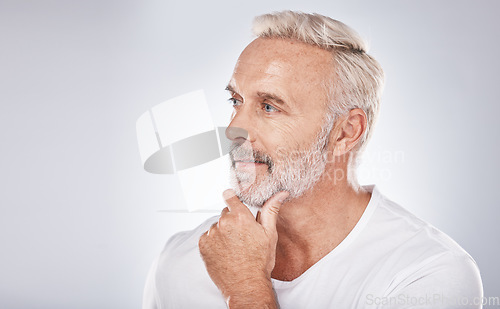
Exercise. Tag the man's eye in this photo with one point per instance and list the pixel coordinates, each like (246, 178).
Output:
(234, 102)
(269, 108)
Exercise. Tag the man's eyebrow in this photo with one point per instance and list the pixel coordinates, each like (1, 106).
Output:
(262, 95)
(230, 89)
(271, 97)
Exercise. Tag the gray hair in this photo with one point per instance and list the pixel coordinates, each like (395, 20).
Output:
(357, 79)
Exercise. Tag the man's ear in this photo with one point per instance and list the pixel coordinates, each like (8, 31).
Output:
(349, 130)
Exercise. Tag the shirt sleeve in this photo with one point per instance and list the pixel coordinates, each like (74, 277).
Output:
(450, 281)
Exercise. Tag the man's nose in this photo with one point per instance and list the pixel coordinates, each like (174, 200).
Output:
(236, 133)
(238, 129)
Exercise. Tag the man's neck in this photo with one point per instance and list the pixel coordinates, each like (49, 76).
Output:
(312, 225)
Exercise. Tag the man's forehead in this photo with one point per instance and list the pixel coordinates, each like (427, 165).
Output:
(269, 79)
(283, 59)
(257, 65)
(275, 73)
(289, 51)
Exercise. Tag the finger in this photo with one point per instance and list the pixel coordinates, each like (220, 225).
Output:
(224, 211)
(229, 193)
(223, 217)
(269, 212)
(233, 202)
(212, 228)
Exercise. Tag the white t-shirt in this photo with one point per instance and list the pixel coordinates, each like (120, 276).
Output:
(391, 259)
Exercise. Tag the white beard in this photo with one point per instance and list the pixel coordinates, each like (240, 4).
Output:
(295, 171)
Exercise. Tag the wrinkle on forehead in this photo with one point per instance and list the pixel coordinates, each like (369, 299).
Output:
(296, 69)
(272, 68)
(279, 57)
(269, 49)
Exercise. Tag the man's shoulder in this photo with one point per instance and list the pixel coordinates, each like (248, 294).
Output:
(410, 230)
(416, 248)
(180, 258)
(185, 241)
(405, 255)
(177, 270)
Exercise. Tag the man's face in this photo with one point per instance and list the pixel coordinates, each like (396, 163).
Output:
(278, 128)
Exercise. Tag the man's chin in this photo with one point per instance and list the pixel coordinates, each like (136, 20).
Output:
(250, 196)
(251, 189)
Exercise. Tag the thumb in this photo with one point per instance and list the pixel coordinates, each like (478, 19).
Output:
(269, 213)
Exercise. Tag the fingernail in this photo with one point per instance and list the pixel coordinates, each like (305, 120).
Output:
(227, 194)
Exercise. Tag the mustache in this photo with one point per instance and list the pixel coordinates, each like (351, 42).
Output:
(238, 152)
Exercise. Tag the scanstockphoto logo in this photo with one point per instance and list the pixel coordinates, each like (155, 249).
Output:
(436, 300)
(373, 165)
(378, 164)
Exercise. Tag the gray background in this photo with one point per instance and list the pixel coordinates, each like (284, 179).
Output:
(79, 224)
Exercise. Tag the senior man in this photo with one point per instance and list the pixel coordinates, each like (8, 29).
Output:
(306, 95)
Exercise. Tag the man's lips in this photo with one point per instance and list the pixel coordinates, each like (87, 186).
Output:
(248, 164)
(247, 161)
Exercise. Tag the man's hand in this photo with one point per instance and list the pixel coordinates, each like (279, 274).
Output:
(239, 252)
